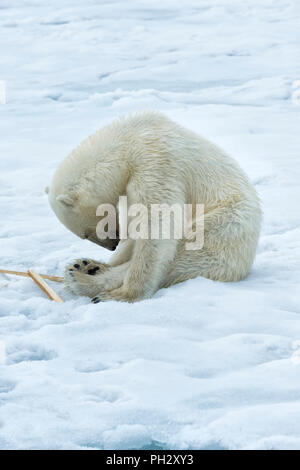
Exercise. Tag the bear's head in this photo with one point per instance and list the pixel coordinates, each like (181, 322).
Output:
(77, 211)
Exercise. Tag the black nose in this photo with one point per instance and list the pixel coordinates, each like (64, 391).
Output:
(114, 244)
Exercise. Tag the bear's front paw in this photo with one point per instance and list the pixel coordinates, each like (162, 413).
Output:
(87, 266)
(81, 276)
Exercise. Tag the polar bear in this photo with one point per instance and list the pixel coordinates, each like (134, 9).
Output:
(153, 160)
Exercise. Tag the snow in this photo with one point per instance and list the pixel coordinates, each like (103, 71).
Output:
(202, 364)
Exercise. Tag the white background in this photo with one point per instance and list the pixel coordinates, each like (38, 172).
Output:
(202, 364)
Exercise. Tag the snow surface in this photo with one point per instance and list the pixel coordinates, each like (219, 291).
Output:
(202, 364)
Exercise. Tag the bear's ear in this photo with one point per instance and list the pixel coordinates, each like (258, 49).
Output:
(66, 199)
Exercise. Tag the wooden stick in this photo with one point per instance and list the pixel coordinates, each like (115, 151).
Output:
(44, 276)
(44, 286)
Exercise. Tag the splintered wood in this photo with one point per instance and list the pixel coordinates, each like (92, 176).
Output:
(39, 279)
(20, 273)
(44, 286)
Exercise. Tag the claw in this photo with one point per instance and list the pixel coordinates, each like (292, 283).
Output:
(96, 300)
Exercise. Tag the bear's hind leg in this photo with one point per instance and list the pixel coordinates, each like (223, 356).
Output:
(226, 265)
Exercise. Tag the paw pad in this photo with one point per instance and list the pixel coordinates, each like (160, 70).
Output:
(93, 271)
(85, 266)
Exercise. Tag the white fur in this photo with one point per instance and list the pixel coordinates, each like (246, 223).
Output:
(151, 159)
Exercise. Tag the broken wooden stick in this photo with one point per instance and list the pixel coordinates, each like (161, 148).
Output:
(44, 286)
(44, 276)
